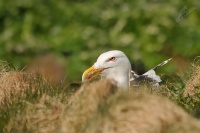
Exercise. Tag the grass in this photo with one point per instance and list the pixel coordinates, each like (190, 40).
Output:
(30, 104)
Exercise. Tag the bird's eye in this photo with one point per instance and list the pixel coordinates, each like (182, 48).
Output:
(112, 59)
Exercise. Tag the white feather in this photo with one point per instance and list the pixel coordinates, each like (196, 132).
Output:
(152, 74)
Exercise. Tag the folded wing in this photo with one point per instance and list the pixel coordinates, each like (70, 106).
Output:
(148, 77)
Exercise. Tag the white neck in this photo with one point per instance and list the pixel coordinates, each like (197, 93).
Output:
(120, 78)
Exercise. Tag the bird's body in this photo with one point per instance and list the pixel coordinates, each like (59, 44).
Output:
(115, 66)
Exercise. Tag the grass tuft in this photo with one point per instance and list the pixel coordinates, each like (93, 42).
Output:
(30, 104)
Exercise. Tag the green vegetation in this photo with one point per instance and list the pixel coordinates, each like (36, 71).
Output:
(144, 30)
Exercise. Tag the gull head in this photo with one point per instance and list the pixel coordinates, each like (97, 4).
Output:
(112, 65)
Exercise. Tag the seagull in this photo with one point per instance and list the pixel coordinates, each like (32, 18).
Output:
(115, 66)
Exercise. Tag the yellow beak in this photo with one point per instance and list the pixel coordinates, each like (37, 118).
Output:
(91, 73)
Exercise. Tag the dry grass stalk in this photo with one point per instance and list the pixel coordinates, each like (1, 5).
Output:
(83, 105)
(137, 113)
(13, 83)
(99, 107)
(43, 117)
(184, 127)
(95, 109)
(193, 82)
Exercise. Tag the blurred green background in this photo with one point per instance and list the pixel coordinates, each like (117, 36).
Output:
(78, 31)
